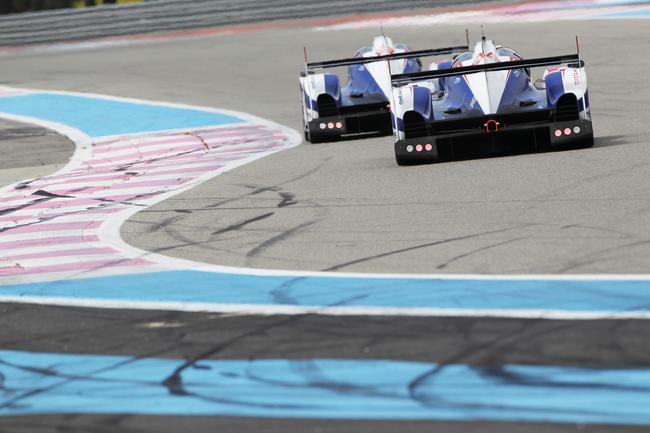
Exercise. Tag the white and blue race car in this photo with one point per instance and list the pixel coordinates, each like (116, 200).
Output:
(487, 103)
(360, 107)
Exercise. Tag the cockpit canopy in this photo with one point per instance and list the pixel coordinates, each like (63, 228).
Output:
(383, 45)
(503, 53)
(507, 52)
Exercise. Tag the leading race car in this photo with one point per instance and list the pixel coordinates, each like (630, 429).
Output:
(331, 111)
(488, 103)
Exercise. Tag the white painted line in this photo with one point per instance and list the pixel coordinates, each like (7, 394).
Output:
(63, 260)
(110, 271)
(44, 234)
(530, 12)
(72, 217)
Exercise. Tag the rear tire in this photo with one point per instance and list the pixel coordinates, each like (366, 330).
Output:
(319, 137)
(586, 142)
(404, 161)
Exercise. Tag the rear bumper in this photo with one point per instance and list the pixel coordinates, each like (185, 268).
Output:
(508, 140)
(333, 128)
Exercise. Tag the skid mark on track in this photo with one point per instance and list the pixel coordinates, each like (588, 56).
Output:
(320, 388)
(476, 251)
(79, 208)
(422, 246)
(259, 249)
(59, 228)
(288, 199)
(242, 224)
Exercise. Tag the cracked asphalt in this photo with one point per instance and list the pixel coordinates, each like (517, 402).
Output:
(347, 206)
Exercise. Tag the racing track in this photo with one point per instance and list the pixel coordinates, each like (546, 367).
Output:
(347, 206)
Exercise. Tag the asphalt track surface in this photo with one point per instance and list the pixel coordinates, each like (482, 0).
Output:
(28, 151)
(347, 206)
(477, 342)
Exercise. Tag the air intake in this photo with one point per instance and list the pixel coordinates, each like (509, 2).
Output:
(414, 125)
(567, 108)
(326, 106)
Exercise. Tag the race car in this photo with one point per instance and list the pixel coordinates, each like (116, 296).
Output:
(487, 103)
(361, 107)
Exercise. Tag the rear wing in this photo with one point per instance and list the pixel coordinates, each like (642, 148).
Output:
(406, 55)
(402, 79)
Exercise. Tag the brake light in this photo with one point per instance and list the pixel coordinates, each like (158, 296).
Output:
(492, 126)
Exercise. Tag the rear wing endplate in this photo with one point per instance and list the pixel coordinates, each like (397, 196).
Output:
(402, 79)
(395, 56)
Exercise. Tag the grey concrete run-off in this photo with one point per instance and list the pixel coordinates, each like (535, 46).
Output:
(165, 15)
(28, 151)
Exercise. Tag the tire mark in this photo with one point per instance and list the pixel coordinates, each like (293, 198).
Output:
(243, 224)
(185, 242)
(594, 256)
(278, 238)
(497, 344)
(256, 189)
(417, 247)
(544, 197)
(504, 374)
(288, 199)
(475, 251)
(164, 223)
(23, 206)
(174, 382)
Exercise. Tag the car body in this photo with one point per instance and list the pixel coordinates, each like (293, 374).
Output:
(332, 111)
(488, 103)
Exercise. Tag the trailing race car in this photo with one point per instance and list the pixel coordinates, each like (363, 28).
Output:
(488, 103)
(332, 112)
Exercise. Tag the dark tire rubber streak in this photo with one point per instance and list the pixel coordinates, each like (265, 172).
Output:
(477, 341)
(473, 341)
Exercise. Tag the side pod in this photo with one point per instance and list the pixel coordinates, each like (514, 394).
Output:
(321, 99)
